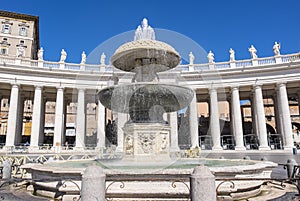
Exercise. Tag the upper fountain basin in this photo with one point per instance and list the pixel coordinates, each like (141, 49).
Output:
(145, 52)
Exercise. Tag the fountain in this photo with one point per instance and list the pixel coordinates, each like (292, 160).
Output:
(146, 99)
(147, 167)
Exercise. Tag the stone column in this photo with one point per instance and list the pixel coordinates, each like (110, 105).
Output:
(12, 116)
(193, 122)
(286, 117)
(298, 94)
(174, 132)
(42, 123)
(36, 118)
(80, 120)
(20, 118)
(100, 126)
(122, 119)
(261, 119)
(214, 124)
(253, 116)
(59, 119)
(277, 113)
(237, 119)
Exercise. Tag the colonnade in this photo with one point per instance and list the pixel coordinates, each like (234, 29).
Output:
(282, 113)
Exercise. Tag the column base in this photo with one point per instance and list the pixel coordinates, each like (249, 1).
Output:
(217, 148)
(33, 148)
(242, 148)
(8, 148)
(264, 148)
(174, 149)
(80, 149)
(119, 150)
(288, 148)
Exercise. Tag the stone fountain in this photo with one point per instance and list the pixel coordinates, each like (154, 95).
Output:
(146, 98)
(147, 170)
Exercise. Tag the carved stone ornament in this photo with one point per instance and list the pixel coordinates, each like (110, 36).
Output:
(146, 141)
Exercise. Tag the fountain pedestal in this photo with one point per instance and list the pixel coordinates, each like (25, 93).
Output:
(144, 141)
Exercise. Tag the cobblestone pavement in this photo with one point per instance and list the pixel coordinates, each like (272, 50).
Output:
(16, 194)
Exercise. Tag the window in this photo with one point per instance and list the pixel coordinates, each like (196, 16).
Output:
(4, 39)
(22, 42)
(23, 31)
(6, 28)
(3, 50)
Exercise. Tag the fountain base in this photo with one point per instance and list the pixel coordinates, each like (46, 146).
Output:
(146, 142)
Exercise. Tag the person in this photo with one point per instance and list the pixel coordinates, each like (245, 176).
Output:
(210, 57)
(63, 55)
(253, 51)
(66, 144)
(232, 54)
(108, 131)
(40, 54)
(83, 58)
(102, 59)
(27, 144)
(276, 49)
(192, 58)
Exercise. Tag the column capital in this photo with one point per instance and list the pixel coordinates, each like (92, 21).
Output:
(38, 87)
(212, 89)
(15, 85)
(60, 88)
(235, 87)
(281, 84)
(257, 86)
(81, 89)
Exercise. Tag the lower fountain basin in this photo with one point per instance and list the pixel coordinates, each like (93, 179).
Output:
(145, 96)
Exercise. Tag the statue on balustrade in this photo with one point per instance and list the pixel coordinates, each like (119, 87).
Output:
(276, 49)
(192, 58)
(63, 55)
(20, 51)
(83, 58)
(41, 54)
(232, 54)
(253, 51)
(102, 59)
(210, 57)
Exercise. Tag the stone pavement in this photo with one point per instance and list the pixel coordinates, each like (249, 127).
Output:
(281, 157)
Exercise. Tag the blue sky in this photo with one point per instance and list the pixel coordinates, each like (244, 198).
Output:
(214, 25)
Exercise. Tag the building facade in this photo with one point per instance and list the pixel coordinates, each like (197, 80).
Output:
(241, 105)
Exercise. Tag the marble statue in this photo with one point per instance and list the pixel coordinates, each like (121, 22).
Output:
(20, 51)
(144, 32)
(232, 54)
(102, 59)
(192, 58)
(63, 55)
(41, 54)
(83, 58)
(210, 57)
(276, 49)
(252, 51)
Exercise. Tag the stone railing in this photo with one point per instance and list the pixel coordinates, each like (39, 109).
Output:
(6, 60)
